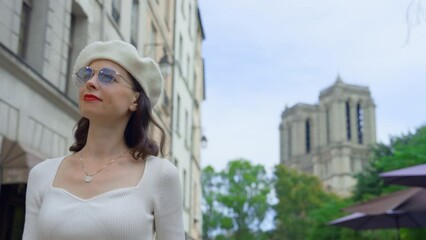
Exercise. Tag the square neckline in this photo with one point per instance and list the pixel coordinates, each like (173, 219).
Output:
(109, 192)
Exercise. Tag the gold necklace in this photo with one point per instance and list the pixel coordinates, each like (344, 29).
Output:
(89, 177)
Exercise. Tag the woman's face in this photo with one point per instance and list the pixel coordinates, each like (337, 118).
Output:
(109, 97)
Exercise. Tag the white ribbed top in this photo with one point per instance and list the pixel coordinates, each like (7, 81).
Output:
(120, 214)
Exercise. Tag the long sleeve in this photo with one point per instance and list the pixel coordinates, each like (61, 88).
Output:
(32, 205)
(168, 211)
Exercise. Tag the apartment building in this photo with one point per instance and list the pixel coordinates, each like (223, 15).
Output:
(39, 42)
(333, 139)
(188, 93)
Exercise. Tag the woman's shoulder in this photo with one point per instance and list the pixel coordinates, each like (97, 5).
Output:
(46, 165)
(165, 182)
(43, 173)
(162, 168)
(159, 162)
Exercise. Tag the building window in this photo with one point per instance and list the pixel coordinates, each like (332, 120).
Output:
(308, 136)
(116, 8)
(327, 124)
(184, 188)
(289, 139)
(360, 123)
(178, 115)
(23, 30)
(78, 35)
(135, 23)
(153, 41)
(180, 49)
(348, 120)
(195, 201)
(183, 8)
(188, 64)
(195, 84)
(71, 49)
(189, 19)
(167, 13)
(186, 129)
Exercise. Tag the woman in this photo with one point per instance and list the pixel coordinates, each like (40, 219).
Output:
(112, 186)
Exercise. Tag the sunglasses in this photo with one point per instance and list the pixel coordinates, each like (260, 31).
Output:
(106, 76)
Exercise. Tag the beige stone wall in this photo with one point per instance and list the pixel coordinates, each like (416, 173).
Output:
(156, 40)
(197, 134)
(34, 108)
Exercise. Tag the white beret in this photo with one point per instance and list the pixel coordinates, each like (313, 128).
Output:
(144, 70)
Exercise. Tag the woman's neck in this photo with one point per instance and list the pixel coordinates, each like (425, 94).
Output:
(104, 141)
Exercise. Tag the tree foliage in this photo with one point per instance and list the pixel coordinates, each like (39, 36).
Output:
(213, 219)
(402, 151)
(235, 201)
(299, 195)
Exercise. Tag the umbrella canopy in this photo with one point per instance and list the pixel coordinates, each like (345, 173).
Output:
(411, 199)
(401, 209)
(392, 219)
(410, 176)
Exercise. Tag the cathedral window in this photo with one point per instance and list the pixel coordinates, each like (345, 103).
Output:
(289, 141)
(360, 123)
(348, 121)
(308, 136)
(327, 124)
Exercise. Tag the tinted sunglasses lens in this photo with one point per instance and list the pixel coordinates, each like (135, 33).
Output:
(106, 75)
(84, 74)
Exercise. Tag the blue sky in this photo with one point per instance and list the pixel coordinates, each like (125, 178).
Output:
(263, 55)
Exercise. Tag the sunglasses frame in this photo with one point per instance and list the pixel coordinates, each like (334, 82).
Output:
(79, 81)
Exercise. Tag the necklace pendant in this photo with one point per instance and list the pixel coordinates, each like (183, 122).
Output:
(88, 179)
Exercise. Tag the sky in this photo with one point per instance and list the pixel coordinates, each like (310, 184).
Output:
(263, 55)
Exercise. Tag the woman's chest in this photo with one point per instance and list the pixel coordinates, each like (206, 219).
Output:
(71, 177)
(119, 214)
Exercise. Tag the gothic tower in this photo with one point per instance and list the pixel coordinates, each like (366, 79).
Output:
(332, 139)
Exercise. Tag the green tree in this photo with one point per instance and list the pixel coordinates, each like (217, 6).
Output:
(328, 211)
(305, 209)
(402, 151)
(213, 220)
(235, 201)
(298, 195)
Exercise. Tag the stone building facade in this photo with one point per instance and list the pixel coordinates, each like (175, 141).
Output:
(39, 42)
(188, 94)
(333, 139)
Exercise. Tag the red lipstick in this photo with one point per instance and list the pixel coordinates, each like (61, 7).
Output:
(91, 97)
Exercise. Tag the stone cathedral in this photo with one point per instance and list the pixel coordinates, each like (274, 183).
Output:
(331, 139)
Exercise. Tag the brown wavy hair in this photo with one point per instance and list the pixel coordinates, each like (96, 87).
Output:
(136, 134)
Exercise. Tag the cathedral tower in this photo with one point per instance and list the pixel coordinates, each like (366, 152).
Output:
(332, 139)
